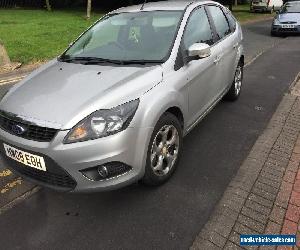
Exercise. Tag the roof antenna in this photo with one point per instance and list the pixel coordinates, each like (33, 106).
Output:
(143, 4)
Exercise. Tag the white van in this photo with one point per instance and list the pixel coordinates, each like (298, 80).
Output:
(265, 5)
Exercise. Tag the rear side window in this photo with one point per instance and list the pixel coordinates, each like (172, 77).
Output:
(198, 29)
(220, 21)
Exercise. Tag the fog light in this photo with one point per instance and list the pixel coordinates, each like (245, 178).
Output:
(103, 172)
(106, 171)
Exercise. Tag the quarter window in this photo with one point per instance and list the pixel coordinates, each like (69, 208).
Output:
(231, 20)
(198, 29)
(220, 21)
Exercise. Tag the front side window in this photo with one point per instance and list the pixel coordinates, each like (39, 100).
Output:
(220, 21)
(146, 36)
(198, 29)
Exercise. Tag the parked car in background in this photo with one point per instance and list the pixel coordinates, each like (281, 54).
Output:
(286, 1)
(265, 5)
(287, 20)
(114, 107)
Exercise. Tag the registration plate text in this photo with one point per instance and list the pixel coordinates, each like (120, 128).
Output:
(25, 158)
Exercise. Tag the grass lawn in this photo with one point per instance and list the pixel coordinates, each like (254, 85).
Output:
(242, 13)
(33, 35)
(38, 35)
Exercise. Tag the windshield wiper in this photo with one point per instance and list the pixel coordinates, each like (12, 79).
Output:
(90, 60)
(97, 60)
(141, 62)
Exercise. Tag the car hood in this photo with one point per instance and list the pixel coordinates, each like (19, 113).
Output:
(59, 95)
(289, 17)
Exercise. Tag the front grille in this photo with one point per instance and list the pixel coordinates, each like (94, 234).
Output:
(32, 132)
(57, 180)
(55, 177)
(288, 29)
(288, 22)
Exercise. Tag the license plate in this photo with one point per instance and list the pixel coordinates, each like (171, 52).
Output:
(287, 26)
(25, 158)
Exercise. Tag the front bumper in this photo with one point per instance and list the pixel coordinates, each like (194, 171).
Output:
(259, 8)
(65, 162)
(279, 29)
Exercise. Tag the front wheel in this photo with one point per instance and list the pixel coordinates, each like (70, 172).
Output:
(164, 150)
(274, 33)
(236, 87)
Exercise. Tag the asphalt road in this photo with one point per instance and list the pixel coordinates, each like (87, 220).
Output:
(167, 217)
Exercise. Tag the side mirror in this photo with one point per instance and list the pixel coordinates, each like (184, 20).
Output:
(200, 50)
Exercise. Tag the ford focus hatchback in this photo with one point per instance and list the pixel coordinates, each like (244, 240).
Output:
(287, 21)
(114, 107)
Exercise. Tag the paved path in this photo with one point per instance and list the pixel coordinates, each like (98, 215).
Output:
(264, 196)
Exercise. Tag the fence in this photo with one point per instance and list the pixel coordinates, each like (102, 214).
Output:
(82, 3)
(20, 3)
(66, 3)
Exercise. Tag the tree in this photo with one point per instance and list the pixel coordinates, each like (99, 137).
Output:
(89, 9)
(230, 5)
(4, 59)
(48, 5)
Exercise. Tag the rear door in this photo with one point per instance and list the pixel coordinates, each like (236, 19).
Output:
(226, 47)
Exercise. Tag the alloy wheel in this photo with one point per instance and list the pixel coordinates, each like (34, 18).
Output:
(238, 80)
(164, 150)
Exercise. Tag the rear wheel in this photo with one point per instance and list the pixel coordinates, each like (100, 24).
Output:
(236, 87)
(163, 151)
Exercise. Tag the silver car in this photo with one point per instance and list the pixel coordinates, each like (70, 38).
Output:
(287, 20)
(114, 107)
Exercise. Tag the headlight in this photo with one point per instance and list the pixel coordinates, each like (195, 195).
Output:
(276, 22)
(103, 123)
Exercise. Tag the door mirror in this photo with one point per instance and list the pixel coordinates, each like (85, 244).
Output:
(199, 50)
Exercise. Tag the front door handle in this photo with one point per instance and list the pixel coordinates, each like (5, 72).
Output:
(217, 59)
(236, 45)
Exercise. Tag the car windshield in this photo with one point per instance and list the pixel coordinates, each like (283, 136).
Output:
(125, 37)
(291, 8)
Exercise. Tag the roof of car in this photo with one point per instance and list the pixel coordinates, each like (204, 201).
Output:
(162, 5)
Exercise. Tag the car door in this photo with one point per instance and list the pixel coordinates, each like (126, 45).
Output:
(226, 47)
(201, 73)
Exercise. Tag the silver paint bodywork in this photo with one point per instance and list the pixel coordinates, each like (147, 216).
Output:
(59, 95)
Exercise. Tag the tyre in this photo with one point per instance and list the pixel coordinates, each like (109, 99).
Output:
(164, 150)
(274, 33)
(236, 87)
